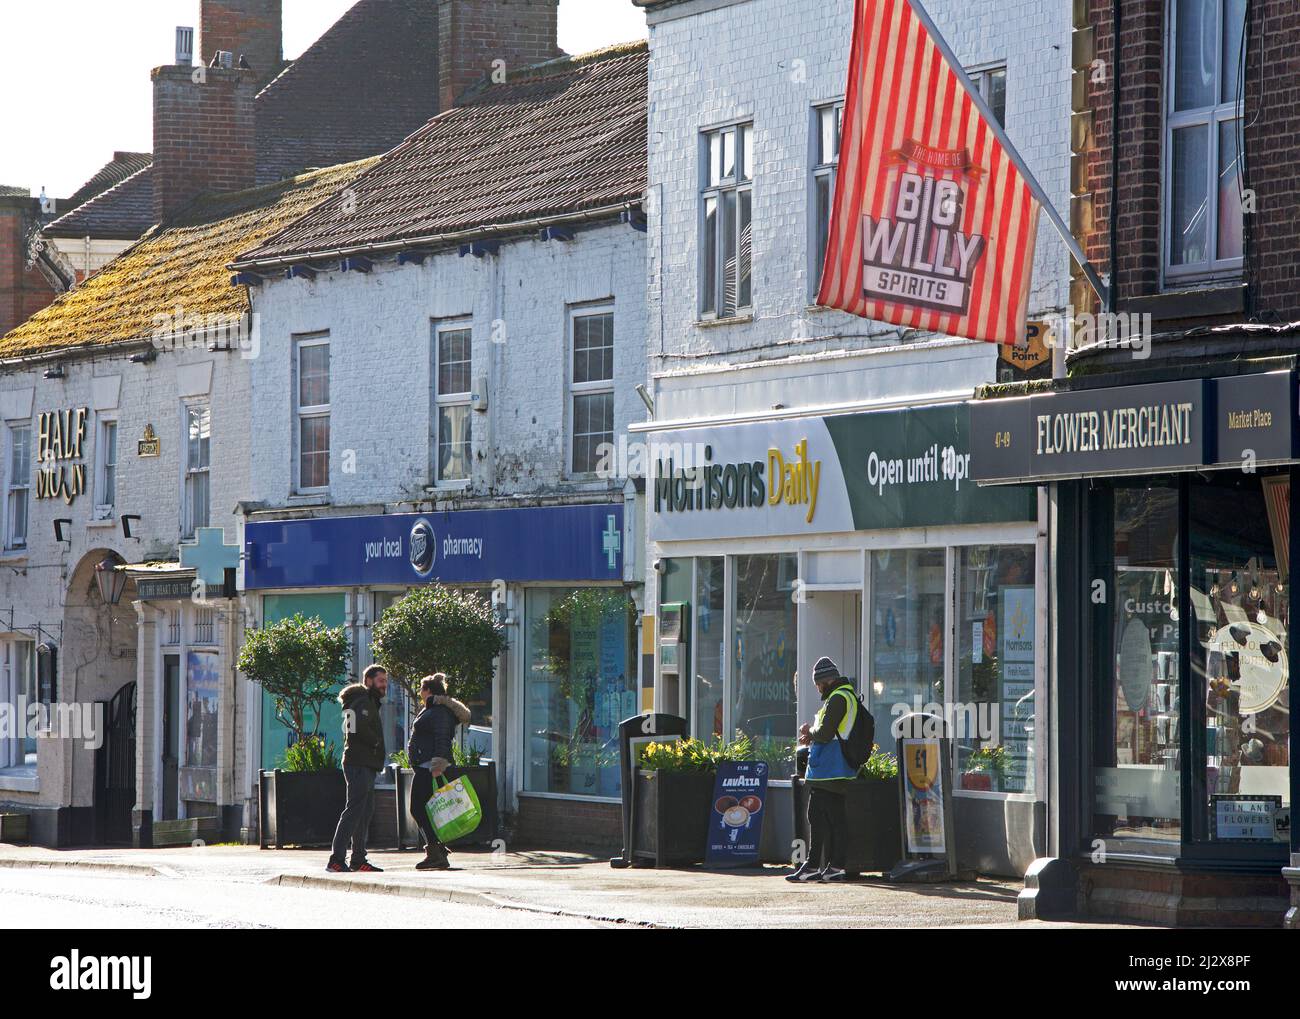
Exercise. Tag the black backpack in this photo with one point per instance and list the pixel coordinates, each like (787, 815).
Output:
(862, 737)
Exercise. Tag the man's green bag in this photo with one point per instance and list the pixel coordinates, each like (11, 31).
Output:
(454, 810)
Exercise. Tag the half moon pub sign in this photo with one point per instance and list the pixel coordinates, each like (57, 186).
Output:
(60, 451)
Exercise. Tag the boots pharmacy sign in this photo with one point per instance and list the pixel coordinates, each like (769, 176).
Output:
(820, 475)
(60, 442)
(933, 225)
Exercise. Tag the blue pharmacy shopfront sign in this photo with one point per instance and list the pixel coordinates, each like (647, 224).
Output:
(551, 543)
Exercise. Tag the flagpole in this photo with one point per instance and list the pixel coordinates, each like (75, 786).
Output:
(1071, 241)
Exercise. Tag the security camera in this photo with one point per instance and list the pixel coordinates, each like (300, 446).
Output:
(660, 566)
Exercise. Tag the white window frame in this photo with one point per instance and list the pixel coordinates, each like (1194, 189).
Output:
(982, 75)
(306, 412)
(1211, 118)
(12, 486)
(458, 399)
(12, 757)
(189, 520)
(106, 509)
(739, 184)
(822, 169)
(595, 388)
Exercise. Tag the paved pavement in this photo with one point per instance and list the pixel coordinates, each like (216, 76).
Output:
(109, 899)
(281, 887)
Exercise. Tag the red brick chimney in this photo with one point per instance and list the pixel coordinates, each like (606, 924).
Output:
(204, 137)
(473, 35)
(252, 29)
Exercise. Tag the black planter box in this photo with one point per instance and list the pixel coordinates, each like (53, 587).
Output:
(484, 779)
(670, 816)
(300, 808)
(871, 818)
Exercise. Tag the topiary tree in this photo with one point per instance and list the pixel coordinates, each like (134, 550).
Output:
(439, 629)
(297, 661)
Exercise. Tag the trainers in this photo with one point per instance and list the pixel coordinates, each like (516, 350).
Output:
(366, 867)
(434, 863)
(833, 874)
(807, 872)
(335, 867)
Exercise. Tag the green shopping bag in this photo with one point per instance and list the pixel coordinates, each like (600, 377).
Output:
(453, 809)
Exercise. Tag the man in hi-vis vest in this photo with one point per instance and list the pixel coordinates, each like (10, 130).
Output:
(827, 770)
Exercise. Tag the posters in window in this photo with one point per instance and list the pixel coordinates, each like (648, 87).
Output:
(1016, 631)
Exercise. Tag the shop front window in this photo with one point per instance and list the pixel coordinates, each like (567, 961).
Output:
(1136, 749)
(709, 637)
(907, 642)
(993, 710)
(1239, 547)
(580, 683)
(202, 698)
(765, 651)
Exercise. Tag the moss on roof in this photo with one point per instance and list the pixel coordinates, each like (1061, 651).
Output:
(179, 265)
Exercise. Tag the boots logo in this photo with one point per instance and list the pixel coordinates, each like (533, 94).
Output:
(918, 255)
(424, 547)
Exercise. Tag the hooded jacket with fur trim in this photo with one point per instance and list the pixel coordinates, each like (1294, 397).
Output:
(363, 728)
(434, 730)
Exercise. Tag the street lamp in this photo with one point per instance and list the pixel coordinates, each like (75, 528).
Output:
(110, 580)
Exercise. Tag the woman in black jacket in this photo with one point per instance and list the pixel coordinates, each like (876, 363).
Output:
(429, 751)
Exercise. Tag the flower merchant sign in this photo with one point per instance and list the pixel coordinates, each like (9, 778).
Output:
(60, 437)
(1240, 421)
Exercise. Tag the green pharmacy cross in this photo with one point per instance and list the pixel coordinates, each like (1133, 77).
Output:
(210, 555)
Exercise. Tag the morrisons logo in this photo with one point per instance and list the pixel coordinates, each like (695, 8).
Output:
(779, 480)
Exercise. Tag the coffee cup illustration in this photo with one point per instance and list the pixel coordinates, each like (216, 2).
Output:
(724, 804)
(735, 816)
(751, 803)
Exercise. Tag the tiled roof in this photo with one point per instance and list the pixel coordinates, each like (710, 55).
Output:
(182, 265)
(564, 137)
(10, 191)
(116, 170)
(361, 88)
(123, 212)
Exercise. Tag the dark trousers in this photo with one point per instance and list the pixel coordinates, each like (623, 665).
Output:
(354, 822)
(825, 826)
(421, 794)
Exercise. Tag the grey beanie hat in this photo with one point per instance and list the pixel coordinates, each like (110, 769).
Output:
(825, 671)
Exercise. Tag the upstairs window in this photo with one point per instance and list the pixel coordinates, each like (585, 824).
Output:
(592, 387)
(198, 461)
(726, 286)
(991, 83)
(828, 123)
(313, 400)
(1203, 126)
(18, 485)
(452, 372)
(106, 482)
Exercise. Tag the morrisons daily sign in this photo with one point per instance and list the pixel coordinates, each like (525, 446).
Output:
(819, 475)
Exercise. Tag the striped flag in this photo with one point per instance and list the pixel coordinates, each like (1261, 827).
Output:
(933, 226)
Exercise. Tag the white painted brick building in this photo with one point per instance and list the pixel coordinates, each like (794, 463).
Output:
(48, 592)
(746, 371)
(381, 326)
(773, 63)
